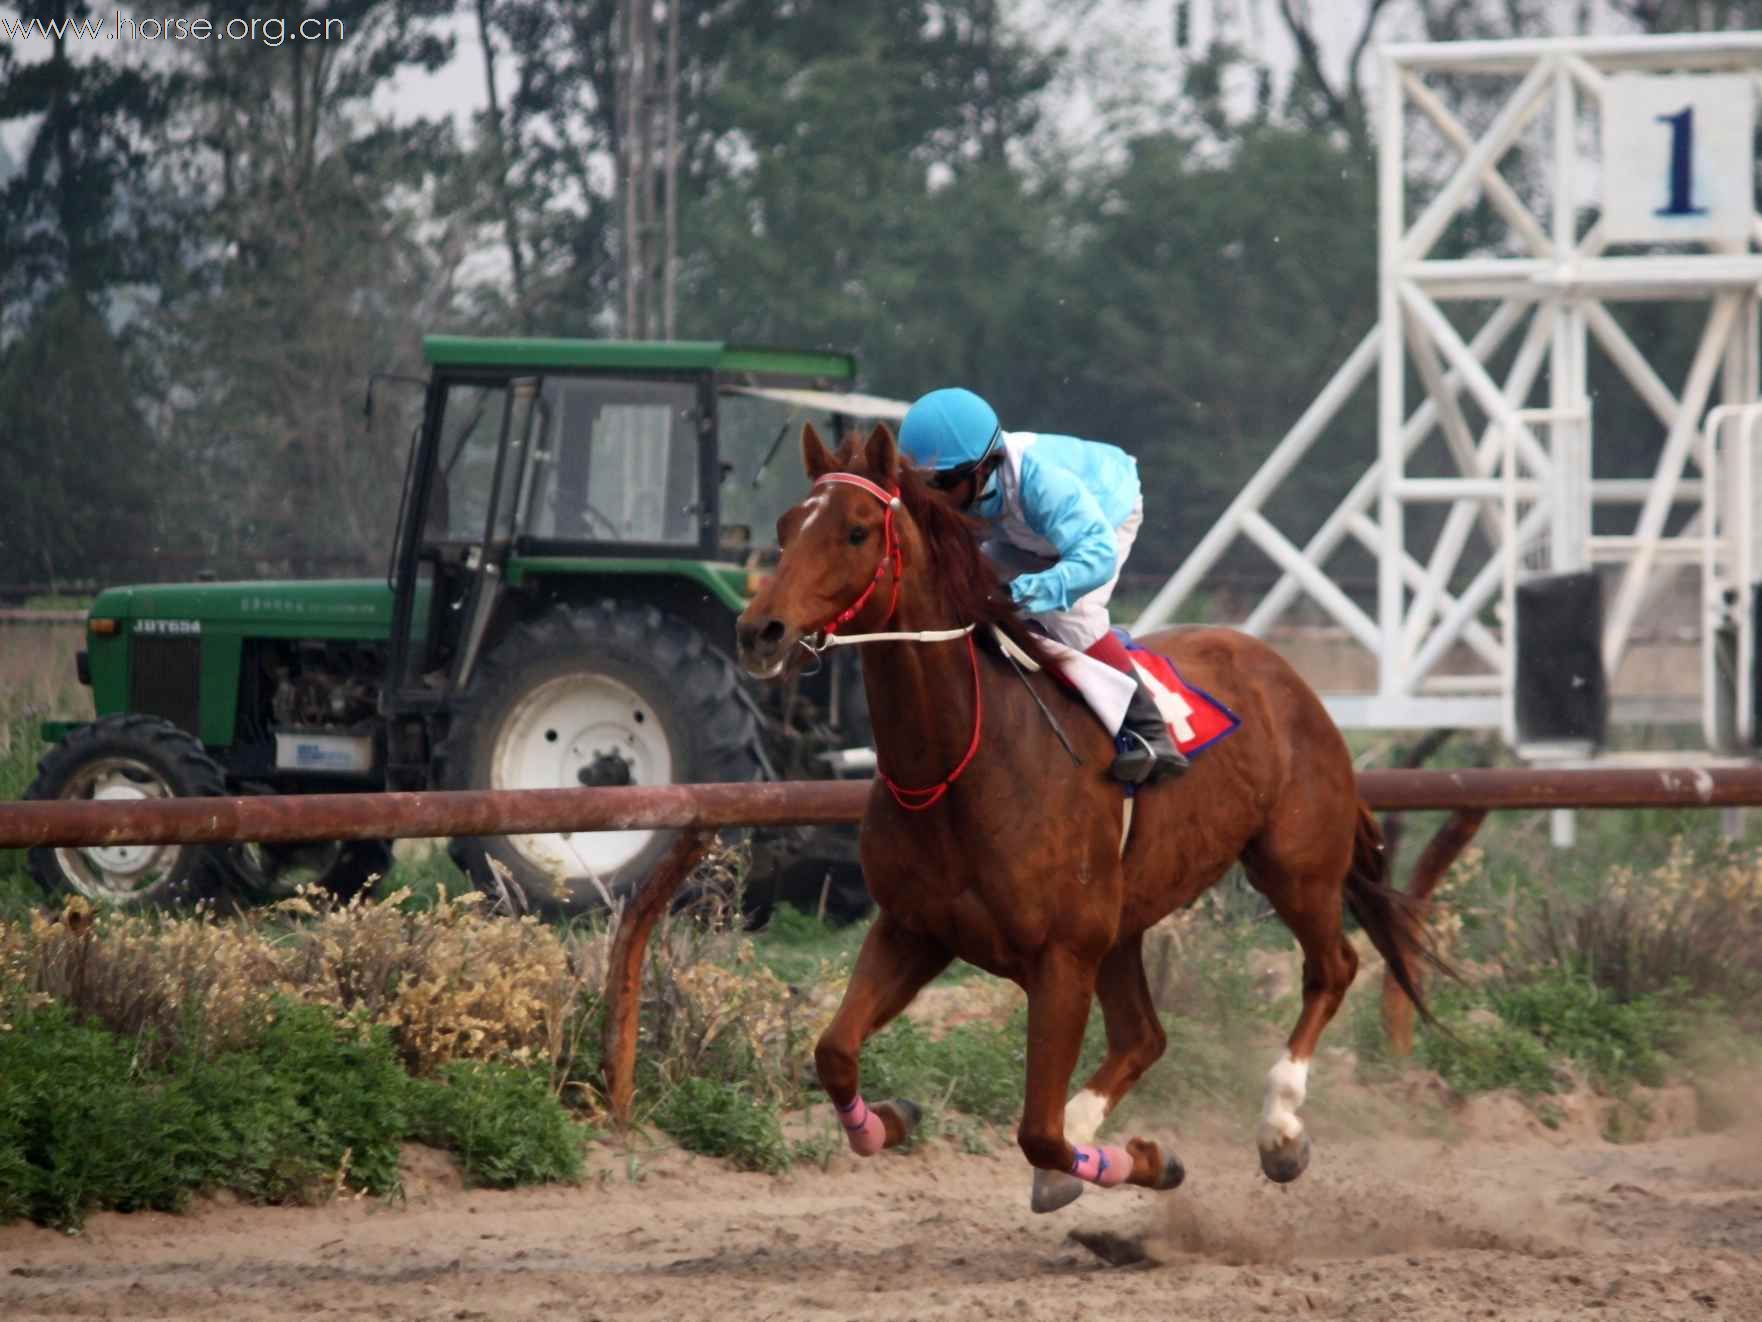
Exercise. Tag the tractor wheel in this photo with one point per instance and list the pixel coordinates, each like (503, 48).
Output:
(122, 758)
(345, 868)
(611, 694)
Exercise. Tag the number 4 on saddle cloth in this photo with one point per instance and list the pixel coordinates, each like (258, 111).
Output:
(1196, 719)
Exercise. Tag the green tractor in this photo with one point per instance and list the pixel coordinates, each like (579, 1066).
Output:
(580, 523)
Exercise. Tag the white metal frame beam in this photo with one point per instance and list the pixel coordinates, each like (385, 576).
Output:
(1563, 282)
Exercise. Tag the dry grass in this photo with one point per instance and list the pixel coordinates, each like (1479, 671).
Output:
(710, 1007)
(450, 982)
(1692, 924)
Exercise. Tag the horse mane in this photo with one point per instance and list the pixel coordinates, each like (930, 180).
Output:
(968, 581)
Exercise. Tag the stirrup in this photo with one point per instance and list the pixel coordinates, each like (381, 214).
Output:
(1140, 761)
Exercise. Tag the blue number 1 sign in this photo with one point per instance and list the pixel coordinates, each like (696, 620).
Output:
(1682, 156)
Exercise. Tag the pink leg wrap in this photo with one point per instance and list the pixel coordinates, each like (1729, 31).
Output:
(862, 1127)
(1105, 1165)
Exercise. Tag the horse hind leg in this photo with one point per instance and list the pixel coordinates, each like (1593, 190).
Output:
(1135, 1042)
(1313, 910)
(892, 967)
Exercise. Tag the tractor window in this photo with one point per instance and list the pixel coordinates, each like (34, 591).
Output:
(760, 442)
(471, 432)
(617, 462)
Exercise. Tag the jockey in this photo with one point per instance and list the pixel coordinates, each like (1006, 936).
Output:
(1062, 514)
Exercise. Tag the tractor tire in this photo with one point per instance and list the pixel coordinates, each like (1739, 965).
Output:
(612, 694)
(345, 868)
(130, 757)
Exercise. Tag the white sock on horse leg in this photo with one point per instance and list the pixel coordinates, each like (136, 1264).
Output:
(1287, 1084)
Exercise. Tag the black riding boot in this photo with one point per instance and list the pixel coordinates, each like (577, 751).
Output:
(1152, 754)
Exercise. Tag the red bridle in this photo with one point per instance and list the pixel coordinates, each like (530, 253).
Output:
(912, 800)
(891, 552)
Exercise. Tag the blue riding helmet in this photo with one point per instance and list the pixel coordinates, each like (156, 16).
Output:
(949, 429)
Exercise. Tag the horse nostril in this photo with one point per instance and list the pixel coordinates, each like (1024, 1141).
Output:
(759, 637)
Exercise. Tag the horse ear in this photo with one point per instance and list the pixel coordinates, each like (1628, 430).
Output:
(882, 454)
(814, 455)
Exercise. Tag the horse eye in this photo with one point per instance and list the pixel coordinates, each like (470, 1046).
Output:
(859, 535)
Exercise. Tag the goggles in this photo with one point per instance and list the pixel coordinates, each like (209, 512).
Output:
(947, 479)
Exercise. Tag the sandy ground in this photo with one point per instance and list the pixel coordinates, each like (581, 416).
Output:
(1519, 1227)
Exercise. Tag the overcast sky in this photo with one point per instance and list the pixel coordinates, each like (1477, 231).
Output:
(1125, 45)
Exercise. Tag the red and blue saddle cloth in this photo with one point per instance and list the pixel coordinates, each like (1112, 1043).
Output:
(1196, 719)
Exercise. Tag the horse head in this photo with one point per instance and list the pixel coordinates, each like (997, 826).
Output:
(843, 548)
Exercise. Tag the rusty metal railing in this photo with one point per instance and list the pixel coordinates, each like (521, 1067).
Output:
(271, 819)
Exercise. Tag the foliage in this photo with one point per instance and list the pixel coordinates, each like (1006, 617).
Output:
(347, 1077)
(88, 211)
(234, 235)
(65, 383)
(799, 948)
(721, 1119)
(73, 1124)
(976, 1069)
(19, 750)
(1615, 1041)
(450, 982)
(1488, 1054)
(1203, 271)
(502, 1122)
(1693, 922)
(83, 1125)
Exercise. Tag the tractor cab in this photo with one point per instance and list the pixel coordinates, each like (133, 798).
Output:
(579, 526)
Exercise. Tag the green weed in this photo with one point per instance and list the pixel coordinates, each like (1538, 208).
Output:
(502, 1123)
(976, 1069)
(84, 1127)
(422, 877)
(72, 1121)
(722, 1119)
(799, 948)
(1617, 1043)
(20, 750)
(1486, 1056)
(347, 1077)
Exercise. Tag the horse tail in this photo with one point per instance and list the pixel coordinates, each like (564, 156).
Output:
(1391, 919)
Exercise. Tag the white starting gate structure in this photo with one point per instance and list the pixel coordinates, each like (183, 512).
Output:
(1644, 145)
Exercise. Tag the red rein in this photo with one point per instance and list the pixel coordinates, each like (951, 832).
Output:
(912, 800)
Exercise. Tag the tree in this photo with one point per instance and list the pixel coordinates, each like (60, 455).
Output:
(83, 210)
(77, 461)
(333, 239)
(871, 191)
(1221, 295)
(1340, 105)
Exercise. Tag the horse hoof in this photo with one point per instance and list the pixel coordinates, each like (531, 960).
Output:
(906, 1116)
(1053, 1190)
(1287, 1161)
(1171, 1171)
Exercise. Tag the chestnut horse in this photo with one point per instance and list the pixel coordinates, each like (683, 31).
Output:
(985, 840)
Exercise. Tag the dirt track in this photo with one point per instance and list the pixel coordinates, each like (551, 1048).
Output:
(1390, 1229)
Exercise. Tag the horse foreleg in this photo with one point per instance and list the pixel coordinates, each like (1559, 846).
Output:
(891, 969)
(1135, 1041)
